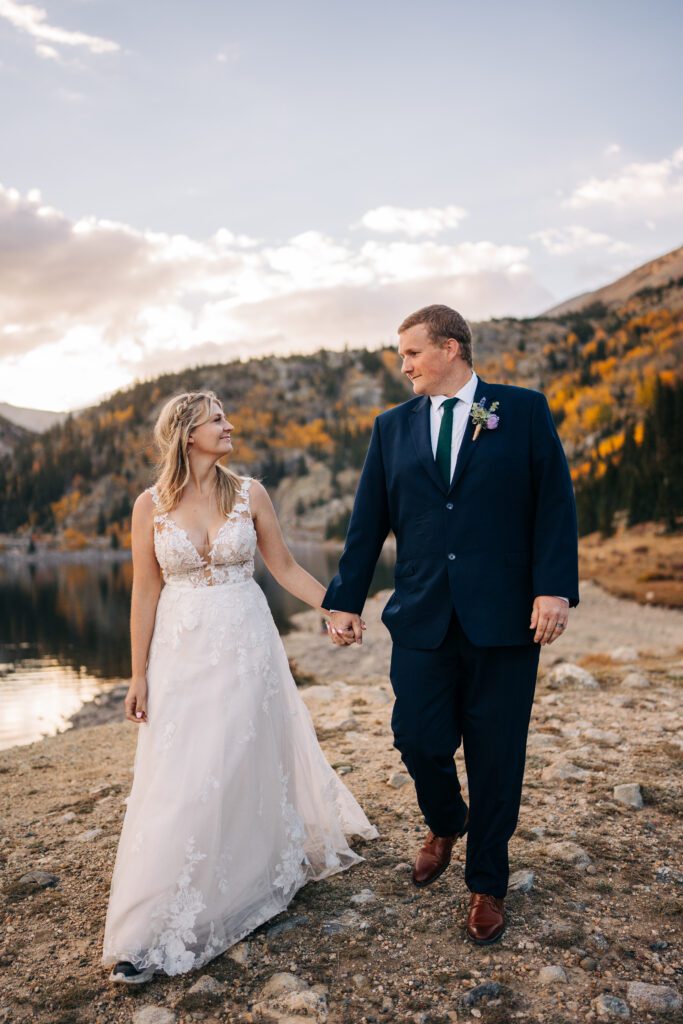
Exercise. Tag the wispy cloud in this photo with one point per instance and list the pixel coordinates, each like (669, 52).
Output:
(394, 220)
(229, 54)
(637, 184)
(33, 21)
(562, 241)
(92, 304)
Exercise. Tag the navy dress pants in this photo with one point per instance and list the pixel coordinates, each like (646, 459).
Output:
(481, 696)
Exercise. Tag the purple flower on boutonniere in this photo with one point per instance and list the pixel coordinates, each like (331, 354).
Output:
(483, 417)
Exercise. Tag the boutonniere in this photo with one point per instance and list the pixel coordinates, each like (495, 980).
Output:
(483, 417)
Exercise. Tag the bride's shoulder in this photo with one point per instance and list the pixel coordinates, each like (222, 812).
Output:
(255, 490)
(146, 502)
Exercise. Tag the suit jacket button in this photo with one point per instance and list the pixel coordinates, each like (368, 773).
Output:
(449, 506)
(451, 556)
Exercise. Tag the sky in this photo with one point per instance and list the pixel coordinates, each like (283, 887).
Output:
(194, 183)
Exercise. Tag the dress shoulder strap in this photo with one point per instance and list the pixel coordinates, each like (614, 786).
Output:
(155, 495)
(241, 505)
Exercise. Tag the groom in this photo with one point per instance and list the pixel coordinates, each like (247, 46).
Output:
(473, 481)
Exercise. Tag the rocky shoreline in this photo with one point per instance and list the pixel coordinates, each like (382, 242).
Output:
(595, 903)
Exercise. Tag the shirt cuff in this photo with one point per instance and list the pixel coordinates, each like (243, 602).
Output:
(560, 598)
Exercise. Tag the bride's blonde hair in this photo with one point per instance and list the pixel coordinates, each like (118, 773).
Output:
(175, 422)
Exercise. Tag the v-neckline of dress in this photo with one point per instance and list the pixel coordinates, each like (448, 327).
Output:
(185, 534)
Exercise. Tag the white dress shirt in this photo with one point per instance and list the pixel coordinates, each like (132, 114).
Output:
(461, 415)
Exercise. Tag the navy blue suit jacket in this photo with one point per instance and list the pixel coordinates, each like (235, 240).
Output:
(502, 533)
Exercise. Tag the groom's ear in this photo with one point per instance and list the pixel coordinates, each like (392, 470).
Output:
(453, 346)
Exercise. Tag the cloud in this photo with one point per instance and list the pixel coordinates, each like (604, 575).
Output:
(33, 21)
(562, 241)
(636, 185)
(397, 220)
(614, 149)
(229, 54)
(92, 304)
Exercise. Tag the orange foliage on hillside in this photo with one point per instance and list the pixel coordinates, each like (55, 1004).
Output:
(302, 435)
(65, 506)
(612, 379)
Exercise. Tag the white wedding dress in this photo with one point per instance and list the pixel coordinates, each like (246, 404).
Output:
(233, 806)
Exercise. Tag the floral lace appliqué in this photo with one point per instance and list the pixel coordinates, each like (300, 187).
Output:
(176, 919)
(290, 870)
(231, 557)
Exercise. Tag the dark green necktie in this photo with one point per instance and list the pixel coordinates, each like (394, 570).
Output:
(443, 445)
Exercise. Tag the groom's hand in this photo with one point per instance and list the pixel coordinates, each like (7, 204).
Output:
(549, 618)
(345, 628)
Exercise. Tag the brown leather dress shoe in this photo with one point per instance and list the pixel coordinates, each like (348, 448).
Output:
(435, 856)
(486, 919)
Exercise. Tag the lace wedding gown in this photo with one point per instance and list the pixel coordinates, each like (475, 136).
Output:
(233, 806)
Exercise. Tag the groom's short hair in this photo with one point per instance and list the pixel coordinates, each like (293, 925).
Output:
(442, 322)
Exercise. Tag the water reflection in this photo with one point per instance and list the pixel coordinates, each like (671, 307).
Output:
(38, 696)
(64, 633)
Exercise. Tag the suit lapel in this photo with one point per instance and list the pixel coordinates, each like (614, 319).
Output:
(422, 438)
(468, 444)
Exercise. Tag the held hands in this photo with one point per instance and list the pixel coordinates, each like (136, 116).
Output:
(135, 703)
(549, 618)
(345, 628)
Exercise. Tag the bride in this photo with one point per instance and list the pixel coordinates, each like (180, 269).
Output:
(233, 806)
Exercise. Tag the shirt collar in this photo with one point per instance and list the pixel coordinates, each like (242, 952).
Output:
(465, 394)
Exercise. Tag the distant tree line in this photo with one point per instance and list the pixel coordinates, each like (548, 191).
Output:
(644, 480)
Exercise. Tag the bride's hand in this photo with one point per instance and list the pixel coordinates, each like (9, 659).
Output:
(135, 703)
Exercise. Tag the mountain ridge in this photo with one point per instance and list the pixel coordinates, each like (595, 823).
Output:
(611, 373)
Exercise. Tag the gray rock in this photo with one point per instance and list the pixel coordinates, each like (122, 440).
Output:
(350, 920)
(39, 879)
(286, 998)
(87, 837)
(398, 779)
(667, 874)
(598, 941)
(606, 1005)
(239, 954)
(64, 819)
(635, 681)
(487, 990)
(568, 853)
(347, 724)
(360, 981)
(629, 794)
(282, 984)
(564, 771)
(521, 881)
(561, 933)
(659, 998)
(552, 975)
(154, 1015)
(624, 654)
(205, 992)
(540, 741)
(364, 896)
(602, 736)
(567, 674)
(588, 963)
(207, 986)
(286, 926)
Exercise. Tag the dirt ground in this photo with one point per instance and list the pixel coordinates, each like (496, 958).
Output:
(596, 907)
(643, 563)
